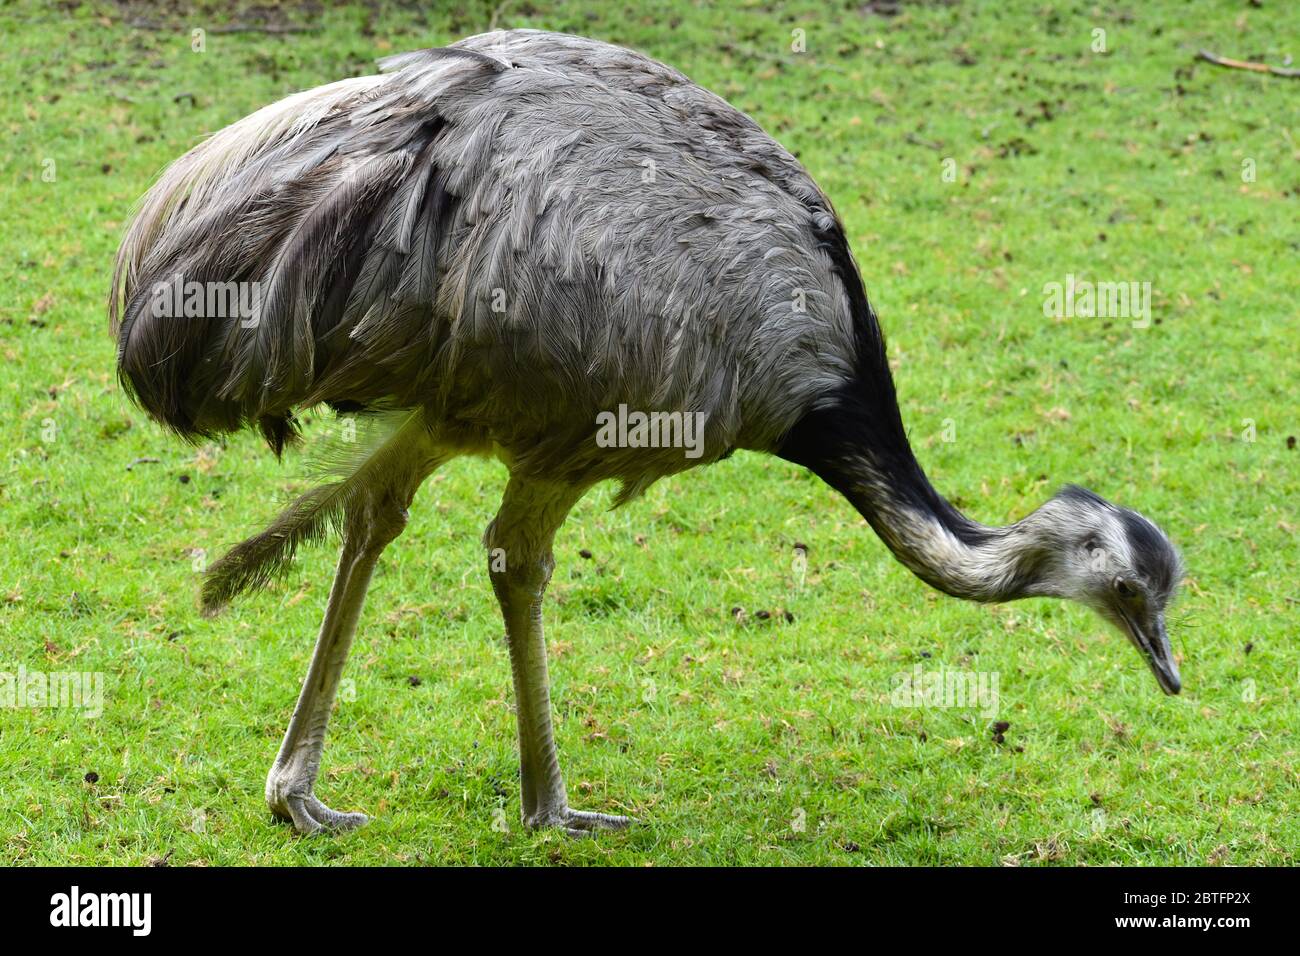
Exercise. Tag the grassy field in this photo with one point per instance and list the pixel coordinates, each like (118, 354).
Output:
(976, 153)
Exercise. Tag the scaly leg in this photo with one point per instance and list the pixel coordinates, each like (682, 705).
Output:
(291, 780)
(520, 564)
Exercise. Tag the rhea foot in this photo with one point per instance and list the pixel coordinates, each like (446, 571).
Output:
(292, 799)
(579, 823)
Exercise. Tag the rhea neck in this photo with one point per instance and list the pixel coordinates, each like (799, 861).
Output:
(853, 438)
(858, 446)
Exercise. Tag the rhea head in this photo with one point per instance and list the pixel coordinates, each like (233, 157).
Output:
(1118, 563)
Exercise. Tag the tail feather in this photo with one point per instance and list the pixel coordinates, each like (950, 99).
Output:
(382, 458)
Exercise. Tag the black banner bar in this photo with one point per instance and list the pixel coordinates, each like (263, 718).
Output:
(331, 905)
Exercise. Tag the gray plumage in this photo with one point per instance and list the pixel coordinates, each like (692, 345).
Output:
(642, 240)
(483, 249)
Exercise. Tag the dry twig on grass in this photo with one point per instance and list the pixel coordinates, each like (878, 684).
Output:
(1248, 65)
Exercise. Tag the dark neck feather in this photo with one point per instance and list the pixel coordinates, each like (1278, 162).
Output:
(855, 441)
(934, 540)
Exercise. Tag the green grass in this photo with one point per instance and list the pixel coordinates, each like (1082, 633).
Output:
(719, 734)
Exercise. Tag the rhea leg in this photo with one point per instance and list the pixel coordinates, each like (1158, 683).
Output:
(292, 778)
(520, 564)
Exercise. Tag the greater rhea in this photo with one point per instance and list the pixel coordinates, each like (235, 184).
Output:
(482, 250)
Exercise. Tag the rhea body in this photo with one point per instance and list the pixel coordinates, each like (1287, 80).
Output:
(479, 251)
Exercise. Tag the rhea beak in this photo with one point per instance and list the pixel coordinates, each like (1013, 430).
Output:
(1147, 633)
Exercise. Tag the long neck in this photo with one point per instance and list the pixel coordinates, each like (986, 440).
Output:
(855, 441)
(934, 540)
(858, 447)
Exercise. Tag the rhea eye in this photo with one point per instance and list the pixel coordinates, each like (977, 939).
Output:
(1091, 545)
(1123, 588)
